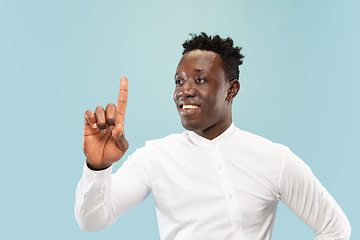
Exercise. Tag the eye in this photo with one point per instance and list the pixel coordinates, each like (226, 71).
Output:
(200, 80)
(178, 82)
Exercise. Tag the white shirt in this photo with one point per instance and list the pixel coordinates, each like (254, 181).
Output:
(226, 188)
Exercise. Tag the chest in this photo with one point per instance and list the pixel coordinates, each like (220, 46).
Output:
(201, 182)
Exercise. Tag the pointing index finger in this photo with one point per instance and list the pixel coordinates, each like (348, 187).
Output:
(122, 101)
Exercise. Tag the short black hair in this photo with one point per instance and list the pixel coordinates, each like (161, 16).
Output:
(231, 56)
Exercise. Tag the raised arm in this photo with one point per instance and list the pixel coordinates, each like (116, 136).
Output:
(100, 196)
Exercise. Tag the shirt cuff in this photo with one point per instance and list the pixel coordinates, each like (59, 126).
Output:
(93, 178)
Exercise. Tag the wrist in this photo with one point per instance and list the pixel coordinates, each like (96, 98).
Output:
(97, 167)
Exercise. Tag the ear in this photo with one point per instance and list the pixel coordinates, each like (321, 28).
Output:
(233, 89)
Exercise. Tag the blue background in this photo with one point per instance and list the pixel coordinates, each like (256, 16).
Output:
(299, 87)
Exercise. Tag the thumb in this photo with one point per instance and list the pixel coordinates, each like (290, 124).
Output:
(119, 136)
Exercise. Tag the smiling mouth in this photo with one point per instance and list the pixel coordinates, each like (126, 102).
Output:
(188, 106)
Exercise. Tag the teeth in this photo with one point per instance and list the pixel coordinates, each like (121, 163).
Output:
(189, 106)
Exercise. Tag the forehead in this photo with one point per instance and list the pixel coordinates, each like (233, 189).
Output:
(201, 59)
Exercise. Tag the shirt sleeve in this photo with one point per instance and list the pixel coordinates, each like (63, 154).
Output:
(309, 200)
(102, 197)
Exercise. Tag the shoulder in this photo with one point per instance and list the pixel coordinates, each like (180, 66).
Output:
(158, 147)
(261, 141)
(171, 140)
(261, 144)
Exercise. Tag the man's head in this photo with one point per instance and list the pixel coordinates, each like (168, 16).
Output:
(206, 85)
(231, 56)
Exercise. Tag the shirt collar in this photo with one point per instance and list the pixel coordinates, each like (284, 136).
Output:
(206, 143)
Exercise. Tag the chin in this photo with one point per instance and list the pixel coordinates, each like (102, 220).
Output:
(192, 125)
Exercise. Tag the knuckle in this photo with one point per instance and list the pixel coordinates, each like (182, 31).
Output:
(122, 100)
(88, 113)
(111, 120)
(99, 109)
(110, 105)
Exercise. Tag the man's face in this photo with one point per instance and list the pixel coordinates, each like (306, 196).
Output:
(201, 90)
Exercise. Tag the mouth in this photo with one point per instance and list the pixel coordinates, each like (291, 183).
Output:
(187, 110)
(187, 106)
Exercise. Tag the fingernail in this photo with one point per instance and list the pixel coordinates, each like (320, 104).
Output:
(111, 128)
(103, 130)
(94, 125)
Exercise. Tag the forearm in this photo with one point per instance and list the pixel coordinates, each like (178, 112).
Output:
(93, 206)
(333, 223)
(310, 201)
(102, 197)
(326, 217)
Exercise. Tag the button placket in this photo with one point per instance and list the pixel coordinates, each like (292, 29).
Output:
(228, 190)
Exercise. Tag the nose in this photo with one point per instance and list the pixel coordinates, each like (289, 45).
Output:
(186, 90)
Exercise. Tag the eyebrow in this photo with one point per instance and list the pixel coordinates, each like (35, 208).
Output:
(196, 70)
(178, 73)
(199, 70)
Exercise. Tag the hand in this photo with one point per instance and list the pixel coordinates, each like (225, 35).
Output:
(104, 139)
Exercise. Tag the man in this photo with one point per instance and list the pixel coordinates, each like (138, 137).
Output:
(213, 181)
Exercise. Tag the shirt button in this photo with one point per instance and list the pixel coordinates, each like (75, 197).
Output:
(219, 167)
(230, 196)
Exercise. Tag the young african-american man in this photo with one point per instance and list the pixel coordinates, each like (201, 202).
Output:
(213, 181)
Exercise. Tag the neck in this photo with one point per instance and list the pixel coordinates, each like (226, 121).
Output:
(215, 130)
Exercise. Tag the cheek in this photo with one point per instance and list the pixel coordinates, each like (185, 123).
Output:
(174, 96)
(211, 105)
(217, 102)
